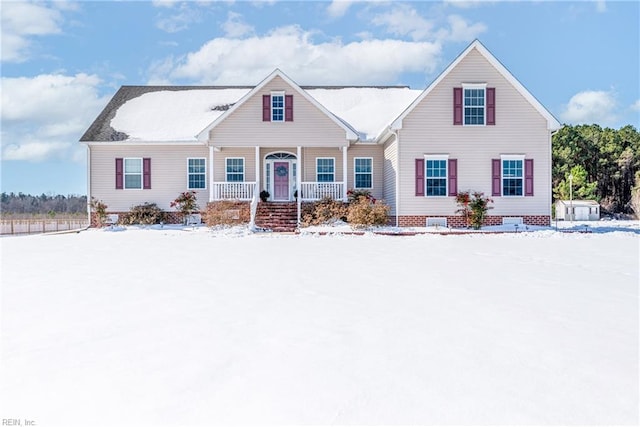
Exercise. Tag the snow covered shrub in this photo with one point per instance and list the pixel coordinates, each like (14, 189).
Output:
(366, 211)
(227, 212)
(186, 204)
(473, 207)
(100, 210)
(145, 214)
(324, 211)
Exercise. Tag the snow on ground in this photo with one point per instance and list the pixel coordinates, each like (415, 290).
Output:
(187, 326)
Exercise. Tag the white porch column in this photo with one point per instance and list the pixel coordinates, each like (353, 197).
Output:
(258, 180)
(299, 179)
(344, 173)
(211, 173)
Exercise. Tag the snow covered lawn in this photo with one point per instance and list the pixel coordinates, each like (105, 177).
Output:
(190, 327)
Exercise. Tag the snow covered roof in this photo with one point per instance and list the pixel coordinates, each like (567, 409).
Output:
(577, 203)
(180, 113)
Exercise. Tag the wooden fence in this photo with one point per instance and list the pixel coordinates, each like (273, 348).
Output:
(34, 226)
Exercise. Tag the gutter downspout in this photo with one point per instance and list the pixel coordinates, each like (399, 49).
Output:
(396, 134)
(89, 183)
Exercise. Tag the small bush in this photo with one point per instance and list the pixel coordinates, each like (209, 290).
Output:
(324, 211)
(473, 209)
(364, 213)
(186, 204)
(145, 214)
(227, 212)
(100, 209)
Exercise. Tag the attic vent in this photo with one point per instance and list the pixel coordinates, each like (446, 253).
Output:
(223, 107)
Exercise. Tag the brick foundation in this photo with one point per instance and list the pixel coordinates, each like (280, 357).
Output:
(458, 221)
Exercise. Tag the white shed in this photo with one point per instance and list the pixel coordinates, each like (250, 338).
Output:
(577, 210)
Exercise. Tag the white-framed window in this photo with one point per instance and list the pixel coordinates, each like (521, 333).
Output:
(325, 169)
(235, 169)
(363, 172)
(512, 175)
(133, 173)
(474, 104)
(277, 106)
(436, 175)
(196, 173)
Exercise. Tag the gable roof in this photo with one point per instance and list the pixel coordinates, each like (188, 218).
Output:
(552, 122)
(350, 133)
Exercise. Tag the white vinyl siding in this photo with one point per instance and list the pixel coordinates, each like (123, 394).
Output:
(519, 128)
(168, 170)
(245, 128)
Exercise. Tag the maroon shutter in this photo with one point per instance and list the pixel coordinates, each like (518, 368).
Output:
(528, 177)
(453, 177)
(288, 108)
(146, 173)
(495, 177)
(119, 174)
(457, 105)
(491, 105)
(419, 177)
(266, 108)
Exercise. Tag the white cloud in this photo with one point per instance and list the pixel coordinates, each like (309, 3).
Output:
(460, 30)
(45, 116)
(164, 3)
(20, 22)
(636, 105)
(339, 8)
(235, 27)
(178, 20)
(404, 20)
(601, 6)
(591, 107)
(249, 60)
(467, 4)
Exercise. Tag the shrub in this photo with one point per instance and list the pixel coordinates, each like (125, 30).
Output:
(355, 195)
(324, 211)
(186, 204)
(100, 209)
(227, 212)
(363, 212)
(145, 214)
(473, 207)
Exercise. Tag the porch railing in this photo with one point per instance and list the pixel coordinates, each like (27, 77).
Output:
(233, 190)
(318, 190)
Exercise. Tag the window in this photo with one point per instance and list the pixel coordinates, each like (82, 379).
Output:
(474, 105)
(436, 176)
(363, 172)
(132, 173)
(325, 169)
(235, 169)
(277, 107)
(196, 173)
(512, 177)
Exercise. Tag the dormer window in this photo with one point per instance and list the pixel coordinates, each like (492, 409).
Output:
(277, 107)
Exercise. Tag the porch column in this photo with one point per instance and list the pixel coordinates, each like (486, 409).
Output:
(344, 173)
(299, 179)
(210, 173)
(258, 180)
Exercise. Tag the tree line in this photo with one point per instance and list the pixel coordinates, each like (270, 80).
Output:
(604, 165)
(49, 204)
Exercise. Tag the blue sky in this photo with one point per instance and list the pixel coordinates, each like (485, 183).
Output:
(62, 61)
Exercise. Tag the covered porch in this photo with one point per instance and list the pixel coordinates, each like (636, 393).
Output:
(286, 174)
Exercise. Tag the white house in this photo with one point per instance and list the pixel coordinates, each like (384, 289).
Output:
(474, 128)
(577, 210)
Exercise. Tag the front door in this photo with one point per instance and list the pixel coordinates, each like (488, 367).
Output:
(280, 180)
